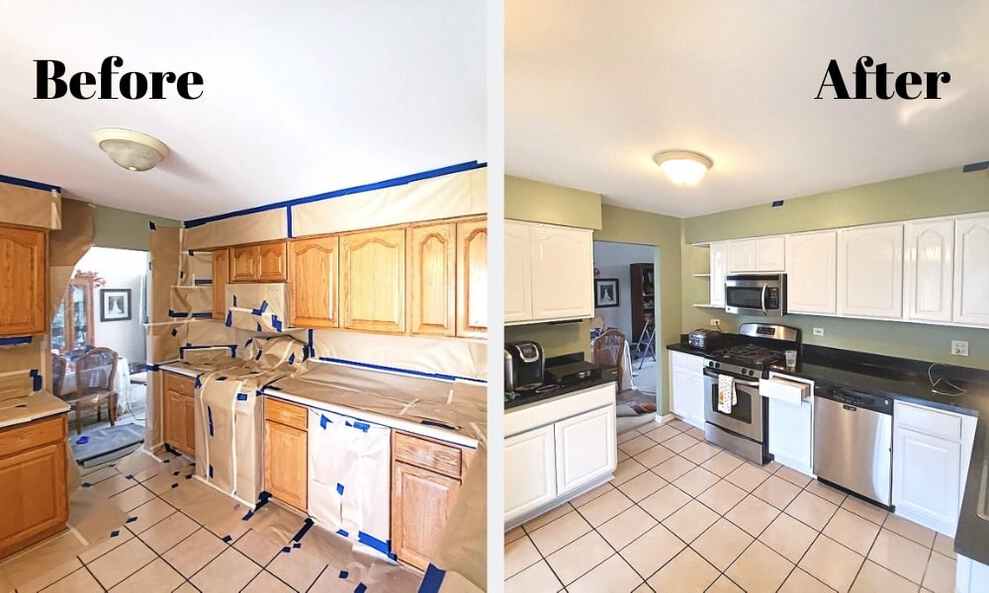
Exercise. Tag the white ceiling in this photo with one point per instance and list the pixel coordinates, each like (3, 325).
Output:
(301, 98)
(594, 89)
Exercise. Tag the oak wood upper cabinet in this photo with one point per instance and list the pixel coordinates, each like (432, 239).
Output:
(971, 298)
(518, 279)
(245, 263)
(221, 277)
(33, 483)
(811, 273)
(272, 264)
(180, 413)
(870, 271)
(286, 453)
(562, 273)
(23, 281)
(314, 282)
(472, 278)
(432, 281)
(719, 268)
(372, 280)
(929, 269)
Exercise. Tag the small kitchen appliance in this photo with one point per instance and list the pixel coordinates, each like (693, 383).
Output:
(756, 294)
(525, 366)
(705, 339)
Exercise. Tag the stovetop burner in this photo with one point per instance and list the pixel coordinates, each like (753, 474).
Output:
(749, 355)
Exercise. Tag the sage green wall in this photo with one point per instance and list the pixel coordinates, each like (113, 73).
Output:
(934, 194)
(536, 201)
(122, 229)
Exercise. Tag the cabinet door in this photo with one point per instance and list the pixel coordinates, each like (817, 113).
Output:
(432, 279)
(177, 426)
(23, 283)
(286, 463)
(372, 280)
(518, 271)
(929, 269)
(189, 420)
(770, 254)
(421, 504)
(719, 266)
(33, 488)
(314, 282)
(972, 270)
(530, 471)
(695, 398)
(870, 271)
(562, 273)
(221, 275)
(245, 263)
(472, 279)
(586, 449)
(925, 479)
(811, 273)
(741, 256)
(271, 262)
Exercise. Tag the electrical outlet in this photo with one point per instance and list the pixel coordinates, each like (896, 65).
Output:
(818, 331)
(959, 347)
(716, 323)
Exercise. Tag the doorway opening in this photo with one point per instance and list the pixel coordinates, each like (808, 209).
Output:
(98, 351)
(623, 332)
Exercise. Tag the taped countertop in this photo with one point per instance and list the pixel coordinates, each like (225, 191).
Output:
(25, 408)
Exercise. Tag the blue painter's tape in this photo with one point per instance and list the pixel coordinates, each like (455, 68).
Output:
(276, 323)
(152, 226)
(972, 167)
(361, 426)
(291, 358)
(29, 183)
(339, 488)
(242, 397)
(260, 310)
(235, 300)
(203, 282)
(288, 221)
(211, 470)
(343, 532)
(374, 543)
(37, 383)
(344, 574)
(175, 332)
(259, 328)
(360, 588)
(433, 580)
(248, 342)
(367, 365)
(302, 532)
(209, 415)
(258, 355)
(199, 381)
(15, 341)
(177, 314)
(449, 170)
(323, 421)
(230, 319)
(82, 440)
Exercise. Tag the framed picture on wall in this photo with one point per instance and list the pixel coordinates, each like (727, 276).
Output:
(115, 304)
(605, 292)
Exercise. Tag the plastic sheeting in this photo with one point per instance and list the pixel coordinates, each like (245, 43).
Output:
(30, 207)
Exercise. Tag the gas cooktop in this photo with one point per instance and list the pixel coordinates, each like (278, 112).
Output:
(749, 355)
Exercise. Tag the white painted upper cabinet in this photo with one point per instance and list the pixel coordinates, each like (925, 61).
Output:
(870, 271)
(764, 254)
(741, 256)
(811, 273)
(518, 275)
(928, 269)
(719, 267)
(971, 298)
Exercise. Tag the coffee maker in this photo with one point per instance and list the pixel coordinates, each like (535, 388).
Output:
(525, 366)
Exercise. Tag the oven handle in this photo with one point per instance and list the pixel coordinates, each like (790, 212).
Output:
(764, 287)
(714, 375)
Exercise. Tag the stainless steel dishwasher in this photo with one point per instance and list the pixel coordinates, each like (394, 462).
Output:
(853, 441)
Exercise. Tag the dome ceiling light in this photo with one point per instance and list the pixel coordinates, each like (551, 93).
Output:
(683, 167)
(131, 150)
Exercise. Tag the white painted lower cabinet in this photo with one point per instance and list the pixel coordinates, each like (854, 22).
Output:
(530, 471)
(689, 396)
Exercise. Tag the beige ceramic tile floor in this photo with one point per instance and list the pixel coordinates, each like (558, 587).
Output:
(684, 516)
(180, 535)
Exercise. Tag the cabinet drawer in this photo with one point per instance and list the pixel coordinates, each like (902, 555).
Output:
(33, 434)
(285, 413)
(927, 421)
(428, 454)
(180, 384)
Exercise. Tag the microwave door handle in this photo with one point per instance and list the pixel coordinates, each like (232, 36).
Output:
(764, 287)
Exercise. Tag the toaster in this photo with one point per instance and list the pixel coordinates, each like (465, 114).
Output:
(705, 339)
(525, 366)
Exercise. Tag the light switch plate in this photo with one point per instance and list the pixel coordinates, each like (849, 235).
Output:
(959, 347)
(818, 331)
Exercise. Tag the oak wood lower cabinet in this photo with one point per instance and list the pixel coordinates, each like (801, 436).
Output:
(32, 482)
(286, 452)
(180, 413)
(426, 478)
(24, 282)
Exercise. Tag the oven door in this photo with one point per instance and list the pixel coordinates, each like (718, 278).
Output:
(746, 415)
(754, 295)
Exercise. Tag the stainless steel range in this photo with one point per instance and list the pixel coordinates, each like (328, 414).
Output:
(742, 430)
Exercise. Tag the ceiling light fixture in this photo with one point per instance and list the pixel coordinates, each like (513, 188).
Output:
(131, 150)
(683, 167)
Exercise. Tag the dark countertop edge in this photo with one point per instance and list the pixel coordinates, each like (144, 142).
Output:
(566, 391)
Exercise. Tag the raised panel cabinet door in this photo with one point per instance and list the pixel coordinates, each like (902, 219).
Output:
(928, 272)
(432, 282)
(23, 281)
(925, 479)
(472, 279)
(530, 471)
(176, 420)
(372, 280)
(286, 463)
(272, 262)
(870, 271)
(719, 267)
(245, 263)
(221, 276)
(518, 271)
(420, 506)
(741, 256)
(770, 254)
(811, 273)
(34, 495)
(562, 273)
(586, 449)
(972, 270)
(314, 282)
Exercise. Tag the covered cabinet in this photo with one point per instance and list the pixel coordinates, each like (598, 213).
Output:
(286, 452)
(472, 278)
(23, 284)
(432, 281)
(314, 289)
(372, 281)
(221, 276)
(180, 413)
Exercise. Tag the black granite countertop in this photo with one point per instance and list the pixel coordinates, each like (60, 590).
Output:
(524, 398)
(907, 380)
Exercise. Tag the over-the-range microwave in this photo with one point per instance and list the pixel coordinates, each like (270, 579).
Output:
(756, 294)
